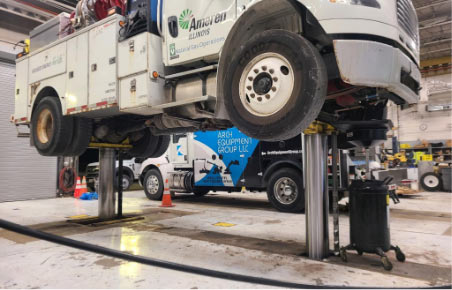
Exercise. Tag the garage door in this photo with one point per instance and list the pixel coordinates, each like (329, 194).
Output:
(24, 174)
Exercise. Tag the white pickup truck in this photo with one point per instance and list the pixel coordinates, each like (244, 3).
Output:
(268, 67)
(131, 172)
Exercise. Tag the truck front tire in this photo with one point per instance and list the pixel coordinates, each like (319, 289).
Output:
(275, 85)
(285, 190)
(50, 130)
(153, 184)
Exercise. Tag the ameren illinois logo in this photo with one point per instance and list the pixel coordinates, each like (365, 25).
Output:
(199, 27)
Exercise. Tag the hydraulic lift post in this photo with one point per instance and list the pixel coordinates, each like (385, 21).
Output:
(107, 160)
(315, 149)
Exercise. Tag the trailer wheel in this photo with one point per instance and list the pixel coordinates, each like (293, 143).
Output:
(144, 146)
(285, 190)
(431, 181)
(275, 85)
(82, 135)
(50, 130)
(153, 184)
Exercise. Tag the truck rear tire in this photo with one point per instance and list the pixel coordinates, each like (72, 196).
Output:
(275, 85)
(162, 146)
(153, 184)
(285, 190)
(82, 135)
(50, 130)
(145, 146)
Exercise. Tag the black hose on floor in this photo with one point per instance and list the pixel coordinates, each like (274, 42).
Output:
(162, 264)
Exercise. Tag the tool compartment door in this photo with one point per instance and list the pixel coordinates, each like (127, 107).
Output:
(103, 85)
(134, 91)
(195, 29)
(133, 55)
(77, 72)
(21, 92)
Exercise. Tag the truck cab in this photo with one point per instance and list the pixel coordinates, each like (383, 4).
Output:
(229, 161)
(267, 67)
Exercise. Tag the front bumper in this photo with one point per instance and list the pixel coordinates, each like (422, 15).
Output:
(375, 64)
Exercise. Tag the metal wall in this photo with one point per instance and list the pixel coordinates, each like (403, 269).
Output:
(24, 174)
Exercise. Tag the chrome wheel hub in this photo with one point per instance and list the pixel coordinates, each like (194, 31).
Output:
(286, 190)
(152, 184)
(266, 84)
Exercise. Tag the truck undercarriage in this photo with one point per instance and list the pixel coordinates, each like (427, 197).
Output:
(278, 70)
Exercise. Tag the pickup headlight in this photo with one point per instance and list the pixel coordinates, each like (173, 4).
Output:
(368, 3)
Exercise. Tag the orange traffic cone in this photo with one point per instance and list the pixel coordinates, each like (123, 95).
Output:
(78, 187)
(83, 188)
(166, 200)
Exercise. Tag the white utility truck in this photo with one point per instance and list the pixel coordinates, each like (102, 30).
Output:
(268, 67)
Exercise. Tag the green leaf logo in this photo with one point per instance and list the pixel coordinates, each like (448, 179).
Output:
(184, 18)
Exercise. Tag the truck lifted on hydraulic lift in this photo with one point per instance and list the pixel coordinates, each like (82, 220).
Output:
(267, 67)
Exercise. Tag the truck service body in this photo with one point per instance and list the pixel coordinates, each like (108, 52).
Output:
(267, 67)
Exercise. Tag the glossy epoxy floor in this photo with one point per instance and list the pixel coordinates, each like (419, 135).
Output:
(256, 240)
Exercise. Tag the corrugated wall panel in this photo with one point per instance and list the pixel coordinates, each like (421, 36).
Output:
(24, 174)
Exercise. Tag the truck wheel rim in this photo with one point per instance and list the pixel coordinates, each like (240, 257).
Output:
(125, 182)
(44, 128)
(266, 84)
(431, 181)
(152, 184)
(286, 190)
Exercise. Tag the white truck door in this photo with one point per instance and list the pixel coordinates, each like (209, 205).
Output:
(179, 149)
(196, 29)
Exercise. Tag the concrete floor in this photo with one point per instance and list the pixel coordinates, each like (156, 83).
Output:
(261, 242)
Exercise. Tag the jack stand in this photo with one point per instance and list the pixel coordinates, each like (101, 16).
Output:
(107, 158)
(316, 190)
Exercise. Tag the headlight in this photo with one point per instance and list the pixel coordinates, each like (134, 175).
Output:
(368, 3)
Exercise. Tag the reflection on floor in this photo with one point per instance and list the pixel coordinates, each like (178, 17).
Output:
(239, 233)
